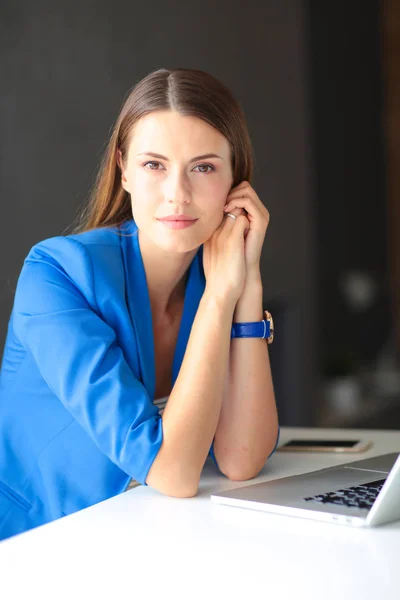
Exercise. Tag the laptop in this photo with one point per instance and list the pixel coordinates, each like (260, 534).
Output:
(364, 493)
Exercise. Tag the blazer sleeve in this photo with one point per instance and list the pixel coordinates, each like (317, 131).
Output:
(79, 358)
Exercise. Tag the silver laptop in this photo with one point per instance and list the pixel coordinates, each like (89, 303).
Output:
(364, 493)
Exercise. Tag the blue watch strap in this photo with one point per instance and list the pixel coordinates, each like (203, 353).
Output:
(259, 329)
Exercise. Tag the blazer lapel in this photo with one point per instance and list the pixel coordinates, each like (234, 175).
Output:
(194, 291)
(138, 302)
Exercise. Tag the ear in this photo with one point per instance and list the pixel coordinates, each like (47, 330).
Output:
(120, 163)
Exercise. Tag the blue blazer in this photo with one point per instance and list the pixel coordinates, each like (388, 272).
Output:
(77, 383)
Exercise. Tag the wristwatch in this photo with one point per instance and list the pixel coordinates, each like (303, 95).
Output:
(259, 329)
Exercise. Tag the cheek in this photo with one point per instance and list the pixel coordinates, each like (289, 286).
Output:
(143, 192)
(215, 198)
(141, 183)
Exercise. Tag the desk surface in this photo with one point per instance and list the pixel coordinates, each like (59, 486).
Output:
(144, 543)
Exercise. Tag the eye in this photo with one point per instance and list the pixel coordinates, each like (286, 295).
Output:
(152, 162)
(203, 168)
(211, 167)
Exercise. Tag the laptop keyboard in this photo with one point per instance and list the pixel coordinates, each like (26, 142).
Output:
(358, 496)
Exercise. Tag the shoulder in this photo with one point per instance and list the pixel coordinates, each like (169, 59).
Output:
(100, 237)
(103, 236)
(79, 248)
(75, 259)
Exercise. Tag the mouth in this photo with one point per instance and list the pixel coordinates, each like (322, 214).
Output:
(177, 221)
(177, 218)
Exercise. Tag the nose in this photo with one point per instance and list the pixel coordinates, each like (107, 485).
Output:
(178, 189)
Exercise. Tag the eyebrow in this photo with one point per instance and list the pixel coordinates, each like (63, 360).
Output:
(202, 157)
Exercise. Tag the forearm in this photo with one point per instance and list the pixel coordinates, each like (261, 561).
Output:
(247, 429)
(192, 412)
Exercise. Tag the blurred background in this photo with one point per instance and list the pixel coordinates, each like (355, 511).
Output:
(319, 81)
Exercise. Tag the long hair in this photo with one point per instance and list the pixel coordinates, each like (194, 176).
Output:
(189, 92)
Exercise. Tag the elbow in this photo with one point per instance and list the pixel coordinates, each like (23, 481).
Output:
(177, 491)
(240, 473)
(171, 476)
(183, 492)
(238, 467)
(172, 486)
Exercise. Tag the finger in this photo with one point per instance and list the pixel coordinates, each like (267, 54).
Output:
(242, 186)
(249, 206)
(246, 197)
(229, 221)
(236, 226)
(241, 226)
(236, 211)
(248, 193)
(230, 218)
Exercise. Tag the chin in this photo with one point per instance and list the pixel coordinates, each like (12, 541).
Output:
(181, 246)
(180, 241)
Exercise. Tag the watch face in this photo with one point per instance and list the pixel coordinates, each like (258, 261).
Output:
(268, 317)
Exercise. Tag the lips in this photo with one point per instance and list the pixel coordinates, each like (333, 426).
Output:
(177, 221)
(177, 218)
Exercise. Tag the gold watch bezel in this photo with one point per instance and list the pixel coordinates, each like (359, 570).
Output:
(268, 317)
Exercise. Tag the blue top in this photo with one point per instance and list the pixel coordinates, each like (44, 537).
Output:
(77, 383)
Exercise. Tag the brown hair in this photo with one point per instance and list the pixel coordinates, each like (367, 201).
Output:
(187, 91)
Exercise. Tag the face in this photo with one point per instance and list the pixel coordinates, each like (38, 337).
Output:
(177, 198)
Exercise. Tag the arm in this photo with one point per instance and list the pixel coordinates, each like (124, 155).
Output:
(248, 425)
(78, 356)
(192, 412)
(57, 320)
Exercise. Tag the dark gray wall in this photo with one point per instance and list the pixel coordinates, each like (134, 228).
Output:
(65, 68)
(347, 98)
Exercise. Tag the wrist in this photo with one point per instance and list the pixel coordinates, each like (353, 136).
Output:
(218, 303)
(253, 276)
(249, 307)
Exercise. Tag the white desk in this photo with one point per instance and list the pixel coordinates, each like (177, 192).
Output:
(142, 544)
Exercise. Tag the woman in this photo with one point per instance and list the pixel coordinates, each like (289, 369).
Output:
(140, 306)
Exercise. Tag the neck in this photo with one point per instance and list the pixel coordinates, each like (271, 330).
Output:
(166, 277)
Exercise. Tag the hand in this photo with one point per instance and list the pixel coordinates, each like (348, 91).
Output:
(244, 197)
(224, 260)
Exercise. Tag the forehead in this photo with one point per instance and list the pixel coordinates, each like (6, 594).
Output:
(170, 132)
